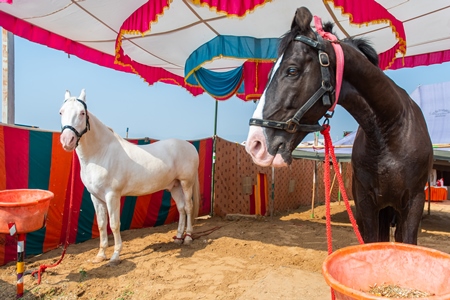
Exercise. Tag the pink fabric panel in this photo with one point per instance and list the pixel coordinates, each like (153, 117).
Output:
(421, 60)
(369, 11)
(386, 58)
(256, 75)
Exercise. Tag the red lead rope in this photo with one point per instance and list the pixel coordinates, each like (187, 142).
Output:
(329, 151)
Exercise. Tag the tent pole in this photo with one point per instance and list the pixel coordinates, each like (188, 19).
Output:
(8, 102)
(316, 142)
(214, 157)
(429, 194)
(339, 190)
(332, 184)
(215, 116)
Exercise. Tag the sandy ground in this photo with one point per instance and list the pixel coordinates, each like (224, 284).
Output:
(276, 257)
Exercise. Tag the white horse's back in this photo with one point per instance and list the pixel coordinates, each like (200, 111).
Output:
(108, 162)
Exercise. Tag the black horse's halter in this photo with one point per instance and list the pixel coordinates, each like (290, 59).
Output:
(86, 129)
(325, 91)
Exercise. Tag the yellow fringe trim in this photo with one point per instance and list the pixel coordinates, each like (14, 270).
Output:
(215, 9)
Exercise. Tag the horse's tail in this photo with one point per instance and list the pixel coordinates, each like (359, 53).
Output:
(196, 196)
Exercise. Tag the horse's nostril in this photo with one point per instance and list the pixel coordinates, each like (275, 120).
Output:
(257, 146)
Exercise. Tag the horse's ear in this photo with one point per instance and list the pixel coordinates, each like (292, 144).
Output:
(67, 95)
(302, 19)
(82, 95)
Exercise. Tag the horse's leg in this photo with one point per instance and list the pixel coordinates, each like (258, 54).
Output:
(178, 196)
(399, 229)
(411, 216)
(102, 221)
(366, 212)
(113, 203)
(386, 217)
(189, 210)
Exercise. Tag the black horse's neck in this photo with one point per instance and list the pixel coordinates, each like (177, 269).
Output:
(371, 97)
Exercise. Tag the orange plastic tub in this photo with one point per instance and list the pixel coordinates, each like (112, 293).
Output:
(24, 207)
(352, 270)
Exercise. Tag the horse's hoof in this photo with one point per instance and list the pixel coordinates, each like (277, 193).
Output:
(113, 263)
(178, 241)
(98, 259)
(187, 241)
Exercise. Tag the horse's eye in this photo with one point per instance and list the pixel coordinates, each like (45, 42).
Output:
(83, 113)
(292, 71)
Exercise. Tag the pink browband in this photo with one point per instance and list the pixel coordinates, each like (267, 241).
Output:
(339, 57)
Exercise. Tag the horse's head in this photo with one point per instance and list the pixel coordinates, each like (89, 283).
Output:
(298, 94)
(74, 120)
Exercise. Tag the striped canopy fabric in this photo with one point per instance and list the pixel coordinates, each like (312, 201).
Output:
(34, 159)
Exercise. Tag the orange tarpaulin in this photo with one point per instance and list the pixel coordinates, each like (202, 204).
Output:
(438, 193)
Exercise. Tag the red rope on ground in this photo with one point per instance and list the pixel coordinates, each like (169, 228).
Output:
(329, 150)
(42, 268)
(198, 234)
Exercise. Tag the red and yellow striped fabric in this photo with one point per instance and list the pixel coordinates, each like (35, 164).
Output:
(259, 197)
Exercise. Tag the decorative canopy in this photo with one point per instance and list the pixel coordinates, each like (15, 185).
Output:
(223, 47)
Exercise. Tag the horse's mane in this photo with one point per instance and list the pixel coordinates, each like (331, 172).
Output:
(363, 45)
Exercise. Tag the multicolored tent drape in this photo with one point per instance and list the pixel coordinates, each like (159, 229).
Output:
(34, 159)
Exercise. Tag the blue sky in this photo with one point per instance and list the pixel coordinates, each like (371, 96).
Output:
(121, 100)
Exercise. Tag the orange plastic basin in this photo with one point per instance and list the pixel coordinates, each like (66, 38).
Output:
(352, 270)
(24, 207)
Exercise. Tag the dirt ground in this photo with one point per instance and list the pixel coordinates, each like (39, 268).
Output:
(276, 257)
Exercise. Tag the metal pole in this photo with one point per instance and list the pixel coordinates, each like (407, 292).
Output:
(216, 109)
(314, 191)
(8, 77)
(214, 156)
(339, 190)
(429, 195)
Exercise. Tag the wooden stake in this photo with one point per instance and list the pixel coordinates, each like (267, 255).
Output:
(314, 189)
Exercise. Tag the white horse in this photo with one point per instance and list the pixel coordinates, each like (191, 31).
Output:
(112, 167)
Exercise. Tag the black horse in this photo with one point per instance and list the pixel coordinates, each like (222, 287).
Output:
(392, 152)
